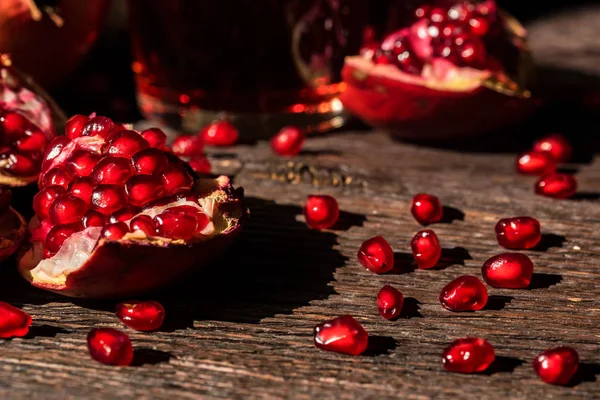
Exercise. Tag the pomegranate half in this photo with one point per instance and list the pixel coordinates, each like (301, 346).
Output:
(455, 71)
(116, 216)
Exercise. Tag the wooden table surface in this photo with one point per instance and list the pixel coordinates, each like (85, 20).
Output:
(244, 329)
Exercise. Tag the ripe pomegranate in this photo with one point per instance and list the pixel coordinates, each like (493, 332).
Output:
(457, 70)
(127, 217)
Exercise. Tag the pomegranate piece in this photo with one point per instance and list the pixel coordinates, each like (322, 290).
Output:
(98, 126)
(389, 302)
(556, 145)
(426, 249)
(141, 315)
(535, 163)
(124, 214)
(508, 270)
(114, 231)
(31, 142)
(18, 165)
(93, 218)
(468, 356)
(188, 146)
(143, 189)
(557, 366)
(200, 165)
(220, 133)
(82, 163)
(149, 162)
(288, 141)
(145, 224)
(427, 209)
(59, 233)
(74, 126)
(14, 322)
(67, 209)
(112, 171)
(53, 150)
(465, 293)
(107, 199)
(125, 144)
(155, 137)
(110, 346)
(341, 335)
(176, 179)
(45, 198)
(181, 222)
(56, 176)
(321, 212)
(557, 186)
(376, 255)
(82, 188)
(519, 233)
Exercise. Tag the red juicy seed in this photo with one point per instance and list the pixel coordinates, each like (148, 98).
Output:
(556, 145)
(57, 176)
(535, 163)
(200, 165)
(188, 146)
(125, 144)
(114, 231)
(142, 189)
(108, 198)
(376, 255)
(141, 315)
(98, 126)
(426, 249)
(473, 52)
(176, 179)
(145, 224)
(124, 214)
(321, 212)
(468, 355)
(155, 137)
(460, 12)
(93, 218)
(112, 171)
(465, 293)
(519, 233)
(438, 14)
(288, 141)
(44, 199)
(67, 209)
(5, 198)
(110, 346)
(14, 322)
(479, 26)
(14, 124)
(426, 209)
(60, 233)
(36, 141)
(82, 163)
(423, 11)
(558, 186)
(508, 270)
(149, 162)
(74, 126)
(179, 222)
(82, 188)
(389, 302)
(220, 133)
(54, 149)
(341, 335)
(19, 165)
(557, 366)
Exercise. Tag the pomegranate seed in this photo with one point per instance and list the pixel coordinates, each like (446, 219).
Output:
(188, 146)
(181, 222)
(14, 322)
(468, 355)
(557, 366)
(98, 126)
(438, 14)
(54, 149)
(535, 163)
(519, 233)
(44, 199)
(149, 162)
(110, 346)
(557, 145)
(67, 209)
(155, 137)
(82, 188)
(19, 165)
(321, 212)
(426, 209)
(376, 255)
(36, 141)
(74, 126)
(389, 302)
(145, 224)
(341, 335)
(423, 11)
(14, 124)
(465, 293)
(141, 315)
(221, 133)
(82, 163)
(558, 186)
(508, 270)
(112, 171)
(426, 249)
(460, 12)
(124, 214)
(473, 52)
(479, 26)
(125, 144)
(142, 189)
(288, 141)
(60, 233)
(200, 165)
(114, 231)
(176, 179)
(93, 218)
(5, 198)
(58, 177)
(108, 198)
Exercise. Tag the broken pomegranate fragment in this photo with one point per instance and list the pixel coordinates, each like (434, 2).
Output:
(341, 335)
(129, 210)
(141, 315)
(14, 322)
(110, 346)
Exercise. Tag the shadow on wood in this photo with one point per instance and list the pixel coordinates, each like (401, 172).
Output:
(145, 356)
(544, 281)
(404, 263)
(587, 372)
(497, 303)
(48, 331)
(550, 240)
(451, 214)
(380, 345)
(347, 220)
(454, 256)
(503, 364)
(411, 308)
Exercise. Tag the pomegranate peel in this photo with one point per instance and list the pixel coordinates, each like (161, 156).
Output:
(13, 228)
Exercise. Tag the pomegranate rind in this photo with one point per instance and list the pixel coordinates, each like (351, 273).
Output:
(138, 264)
(13, 229)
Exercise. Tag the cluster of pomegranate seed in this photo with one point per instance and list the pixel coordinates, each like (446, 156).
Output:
(22, 145)
(321, 212)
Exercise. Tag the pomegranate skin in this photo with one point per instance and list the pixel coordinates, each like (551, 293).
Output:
(508, 271)
(519, 233)
(13, 232)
